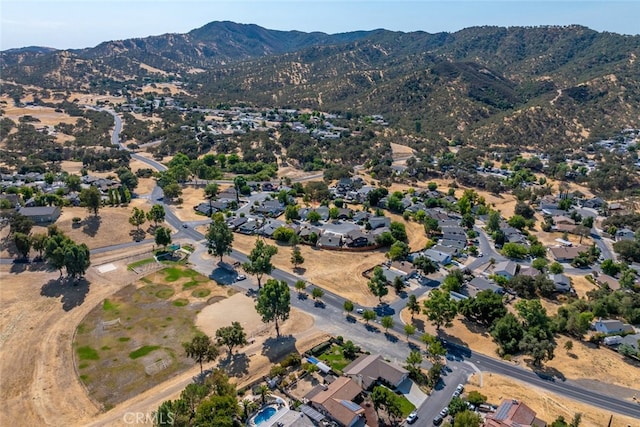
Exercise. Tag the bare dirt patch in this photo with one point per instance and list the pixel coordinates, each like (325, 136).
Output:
(604, 365)
(338, 272)
(191, 196)
(38, 320)
(548, 406)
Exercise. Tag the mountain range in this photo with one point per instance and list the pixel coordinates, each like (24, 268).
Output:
(517, 86)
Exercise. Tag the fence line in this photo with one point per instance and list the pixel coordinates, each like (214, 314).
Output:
(156, 367)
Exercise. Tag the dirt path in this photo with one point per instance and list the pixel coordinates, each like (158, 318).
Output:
(38, 384)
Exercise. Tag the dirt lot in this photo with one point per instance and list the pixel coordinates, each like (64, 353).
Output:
(38, 320)
(339, 272)
(604, 365)
(548, 406)
(110, 228)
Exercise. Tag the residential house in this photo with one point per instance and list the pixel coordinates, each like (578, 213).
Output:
(566, 253)
(379, 221)
(358, 239)
(204, 208)
(512, 413)
(13, 199)
(390, 274)
(506, 269)
(323, 211)
(249, 227)
(271, 208)
(41, 214)
(479, 284)
(610, 326)
(269, 227)
(446, 249)
(442, 258)
(405, 267)
(459, 245)
(633, 340)
(336, 401)
(454, 233)
(561, 282)
(606, 280)
(369, 369)
(330, 240)
(237, 222)
(595, 203)
(625, 234)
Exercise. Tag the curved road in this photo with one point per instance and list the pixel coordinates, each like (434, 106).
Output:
(333, 313)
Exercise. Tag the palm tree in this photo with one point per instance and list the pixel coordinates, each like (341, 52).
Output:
(264, 392)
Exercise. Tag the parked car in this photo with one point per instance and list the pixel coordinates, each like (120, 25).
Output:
(455, 394)
(240, 277)
(460, 388)
(412, 417)
(444, 412)
(360, 310)
(437, 420)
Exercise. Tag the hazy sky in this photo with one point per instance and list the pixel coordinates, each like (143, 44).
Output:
(84, 23)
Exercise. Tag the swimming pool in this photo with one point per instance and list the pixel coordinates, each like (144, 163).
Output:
(264, 414)
(312, 360)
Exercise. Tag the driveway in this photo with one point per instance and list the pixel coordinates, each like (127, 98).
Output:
(412, 392)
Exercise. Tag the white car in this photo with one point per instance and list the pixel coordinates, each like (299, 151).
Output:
(412, 417)
(240, 277)
(360, 310)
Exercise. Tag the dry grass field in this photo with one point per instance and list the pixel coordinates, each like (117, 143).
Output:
(548, 406)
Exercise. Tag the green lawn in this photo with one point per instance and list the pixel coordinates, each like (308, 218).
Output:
(140, 263)
(87, 353)
(109, 306)
(407, 407)
(143, 351)
(171, 274)
(334, 358)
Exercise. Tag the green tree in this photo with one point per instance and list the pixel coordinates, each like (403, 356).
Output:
(274, 303)
(91, 199)
(378, 283)
(73, 182)
(540, 264)
(627, 279)
(609, 267)
(493, 221)
(231, 336)
(219, 237)
(239, 182)
(317, 294)
(413, 306)
(556, 268)
(467, 418)
(398, 251)
(23, 243)
(476, 398)
(369, 315)
(313, 217)
(515, 250)
(172, 191)
(398, 231)
(387, 322)
(38, 242)
(210, 193)
(439, 308)
(156, 214)
(296, 257)
(538, 349)
(77, 259)
(457, 405)
(507, 333)
(414, 359)
(260, 260)
(348, 307)
(137, 218)
(300, 285)
(409, 330)
(568, 345)
(291, 213)
(201, 349)
(163, 236)
(485, 308)
(426, 265)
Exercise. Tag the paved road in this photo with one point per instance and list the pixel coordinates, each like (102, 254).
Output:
(330, 317)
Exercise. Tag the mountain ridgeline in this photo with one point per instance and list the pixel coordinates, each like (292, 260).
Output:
(529, 86)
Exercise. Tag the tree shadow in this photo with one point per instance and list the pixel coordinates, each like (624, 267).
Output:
(547, 373)
(390, 337)
(413, 347)
(371, 328)
(418, 323)
(350, 319)
(475, 328)
(275, 349)
(91, 225)
(300, 271)
(73, 292)
(572, 355)
(137, 235)
(236, 366)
